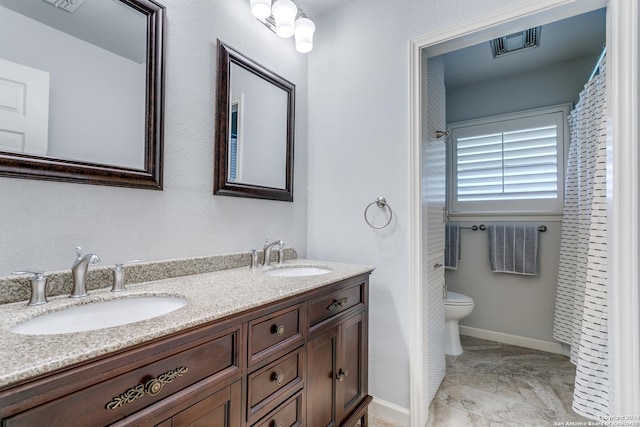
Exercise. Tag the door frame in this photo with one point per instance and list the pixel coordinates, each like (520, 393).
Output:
(623, 183)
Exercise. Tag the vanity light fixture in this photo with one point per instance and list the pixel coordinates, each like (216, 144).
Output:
(68, 5)
(304, 34)
(261, 9)
(285, 19)
(284, 12)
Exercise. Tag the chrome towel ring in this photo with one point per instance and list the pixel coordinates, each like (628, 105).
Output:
(381, 202)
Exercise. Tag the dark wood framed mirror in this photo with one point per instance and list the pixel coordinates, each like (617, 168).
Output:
(254, 129)
(102, 122)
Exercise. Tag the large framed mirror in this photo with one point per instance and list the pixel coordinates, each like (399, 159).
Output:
(81, 91)
(254, 130)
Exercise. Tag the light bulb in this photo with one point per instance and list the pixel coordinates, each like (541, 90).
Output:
(284, 12)
(261, 9)
(304, 34)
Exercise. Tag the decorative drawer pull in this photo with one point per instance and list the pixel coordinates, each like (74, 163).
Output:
(278, 378)
(127, 397)
(341, 375)
(278, 330)
(275, 424)
(151, 387)
(338, 304)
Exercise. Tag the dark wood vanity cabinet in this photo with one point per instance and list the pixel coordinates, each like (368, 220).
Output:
(298, 361)
(337, 368)
(221, 407)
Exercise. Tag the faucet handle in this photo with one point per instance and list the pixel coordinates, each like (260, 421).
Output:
(38, 287)
(122, 265)
(78, 251)
(35, 274)
(118, 276)
(254, 258)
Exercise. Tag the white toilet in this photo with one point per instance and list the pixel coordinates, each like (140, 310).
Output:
(456, 307)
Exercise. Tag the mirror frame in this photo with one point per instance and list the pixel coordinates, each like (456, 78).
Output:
(221, 185)
(19, 165)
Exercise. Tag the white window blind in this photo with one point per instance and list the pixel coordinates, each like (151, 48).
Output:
(509, 163)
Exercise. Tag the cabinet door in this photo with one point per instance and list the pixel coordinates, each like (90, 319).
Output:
(351, 373)
(337, 372)
(220, 409)
(321, 369)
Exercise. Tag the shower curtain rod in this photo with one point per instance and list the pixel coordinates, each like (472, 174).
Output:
(596, 69)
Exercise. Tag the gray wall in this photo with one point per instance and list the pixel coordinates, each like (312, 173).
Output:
(507, 303)
(42, 222)
(553, 85)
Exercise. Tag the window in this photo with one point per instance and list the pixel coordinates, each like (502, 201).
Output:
(509, 164)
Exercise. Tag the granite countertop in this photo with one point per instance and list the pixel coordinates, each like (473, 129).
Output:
(209, 296)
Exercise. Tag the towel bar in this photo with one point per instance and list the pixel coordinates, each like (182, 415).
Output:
(482, 227)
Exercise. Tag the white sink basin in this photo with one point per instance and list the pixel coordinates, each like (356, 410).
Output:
(297, 271)
(99, 315)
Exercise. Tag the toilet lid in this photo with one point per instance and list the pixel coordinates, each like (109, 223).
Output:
(454, 298)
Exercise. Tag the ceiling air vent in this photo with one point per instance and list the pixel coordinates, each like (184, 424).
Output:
(68, 5)
(515, 42)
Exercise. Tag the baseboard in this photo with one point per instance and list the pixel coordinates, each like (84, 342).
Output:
(548, 346)
(390, 411)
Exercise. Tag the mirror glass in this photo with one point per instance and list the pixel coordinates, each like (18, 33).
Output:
(254, 130)
(80, 91)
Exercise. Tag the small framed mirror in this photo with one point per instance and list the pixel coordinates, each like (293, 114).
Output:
(81, 91)
(254, 130)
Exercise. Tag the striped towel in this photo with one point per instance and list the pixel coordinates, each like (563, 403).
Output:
(451, 246)
(513, 249)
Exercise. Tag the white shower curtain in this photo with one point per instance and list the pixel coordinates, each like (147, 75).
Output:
(581, 298)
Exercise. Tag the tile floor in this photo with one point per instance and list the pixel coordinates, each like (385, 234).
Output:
(498, 385)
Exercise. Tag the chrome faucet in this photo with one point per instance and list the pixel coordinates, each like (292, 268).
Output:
(267, 250)
(79, 272)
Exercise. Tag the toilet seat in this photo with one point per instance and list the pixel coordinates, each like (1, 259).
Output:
(454, 298)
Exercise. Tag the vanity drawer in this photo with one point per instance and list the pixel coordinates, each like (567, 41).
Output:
(269, 386)
(115, 398)
(289, 414)
(328, 306)
(275, 332)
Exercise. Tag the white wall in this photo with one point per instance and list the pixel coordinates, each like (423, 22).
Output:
(359, 150)
(41, 222)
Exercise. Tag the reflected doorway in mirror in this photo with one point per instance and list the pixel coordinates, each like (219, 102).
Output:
(24, 109)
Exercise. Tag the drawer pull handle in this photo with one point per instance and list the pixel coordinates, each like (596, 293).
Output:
(151, 387)
(278, 330)
(275, 424)
(341, 375)
(278, 378)
(339, 303)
